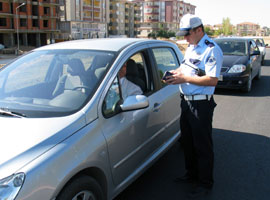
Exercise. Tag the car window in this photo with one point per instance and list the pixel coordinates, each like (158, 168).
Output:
(258, 42)
(166, 60)
(112, 99)
(253, 46)
(143, 74)
(262, 42)
(136, 72)
(232, 47)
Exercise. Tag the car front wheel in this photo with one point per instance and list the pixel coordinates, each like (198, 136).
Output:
(83, 187)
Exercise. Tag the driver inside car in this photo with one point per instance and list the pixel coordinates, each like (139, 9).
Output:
(127, 87)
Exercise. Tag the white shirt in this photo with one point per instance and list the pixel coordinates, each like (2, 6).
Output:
(129, 88)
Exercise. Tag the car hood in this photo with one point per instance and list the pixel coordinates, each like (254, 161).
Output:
(24, 139)
(230, 60)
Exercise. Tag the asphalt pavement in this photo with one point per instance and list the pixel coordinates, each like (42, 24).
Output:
(6, 58)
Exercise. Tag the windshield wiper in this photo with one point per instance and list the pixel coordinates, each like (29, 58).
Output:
(7, 112)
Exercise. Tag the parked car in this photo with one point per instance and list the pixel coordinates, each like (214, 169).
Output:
(262, 46)
(241, 62)
(67, 133)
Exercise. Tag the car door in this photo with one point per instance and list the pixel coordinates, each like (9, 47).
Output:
(255, 59)
(135, 138)
(163, 122)
(124, 131)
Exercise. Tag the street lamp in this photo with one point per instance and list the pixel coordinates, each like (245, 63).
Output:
(18, 27)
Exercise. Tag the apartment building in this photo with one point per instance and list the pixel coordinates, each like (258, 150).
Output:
(247, 28)
(124, 18)
(81, 19)
(165, 14)
(134, 18)
(40, 22)
(28, 22)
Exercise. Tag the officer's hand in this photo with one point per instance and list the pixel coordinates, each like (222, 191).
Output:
(176, 78)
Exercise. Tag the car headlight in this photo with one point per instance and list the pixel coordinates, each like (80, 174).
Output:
(10, 186)
(237, 69)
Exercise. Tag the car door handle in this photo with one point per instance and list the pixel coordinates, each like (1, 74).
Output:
(156, 107)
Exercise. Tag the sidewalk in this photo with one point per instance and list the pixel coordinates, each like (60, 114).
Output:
(6, 58)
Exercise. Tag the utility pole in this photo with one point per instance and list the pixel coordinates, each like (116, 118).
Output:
(18, 39)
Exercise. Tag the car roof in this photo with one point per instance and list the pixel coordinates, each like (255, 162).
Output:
(232, 39)
(254, 37)
(106, 44)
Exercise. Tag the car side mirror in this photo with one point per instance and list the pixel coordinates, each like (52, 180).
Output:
(255, 53)
(134, 103)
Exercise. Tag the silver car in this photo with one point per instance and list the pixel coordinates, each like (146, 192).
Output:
(66, 131)
(261, 45)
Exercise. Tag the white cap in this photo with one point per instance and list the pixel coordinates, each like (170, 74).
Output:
(187, 23)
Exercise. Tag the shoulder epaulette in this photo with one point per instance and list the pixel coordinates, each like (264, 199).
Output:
(208, 43)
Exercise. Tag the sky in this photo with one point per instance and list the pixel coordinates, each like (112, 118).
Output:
(238, 11)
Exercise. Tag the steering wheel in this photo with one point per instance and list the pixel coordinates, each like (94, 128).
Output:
(81, 87)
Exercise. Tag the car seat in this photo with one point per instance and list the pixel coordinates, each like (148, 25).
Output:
(133, 74)
(74, 78)
(98, 67)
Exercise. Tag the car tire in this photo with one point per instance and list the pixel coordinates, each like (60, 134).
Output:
(83, 187)
(248, 85)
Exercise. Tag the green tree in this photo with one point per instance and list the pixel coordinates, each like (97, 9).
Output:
(208, 31)
(226, 26)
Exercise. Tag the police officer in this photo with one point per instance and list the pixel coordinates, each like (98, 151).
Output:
(197, 77)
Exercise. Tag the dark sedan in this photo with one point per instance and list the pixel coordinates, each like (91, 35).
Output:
(241, 63)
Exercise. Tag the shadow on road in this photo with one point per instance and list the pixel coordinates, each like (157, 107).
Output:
(242, 165)
(266, 62)
(242, 171)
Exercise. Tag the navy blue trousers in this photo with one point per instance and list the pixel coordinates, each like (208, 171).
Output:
(196, 139)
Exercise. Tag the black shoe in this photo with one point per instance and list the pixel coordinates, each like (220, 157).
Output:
(199, 192)
(185, 179)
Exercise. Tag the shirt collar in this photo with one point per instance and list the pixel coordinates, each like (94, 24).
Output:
(201, 42)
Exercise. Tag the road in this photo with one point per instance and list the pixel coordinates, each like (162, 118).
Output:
(241, 133)
(6, 58)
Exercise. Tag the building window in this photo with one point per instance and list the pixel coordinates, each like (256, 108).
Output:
(1, 6)
(34, 10)
(45, 23)
(46, 10)
(23, 22)
(78, 9)
(22, 8)
(3, 22)
(35, 23)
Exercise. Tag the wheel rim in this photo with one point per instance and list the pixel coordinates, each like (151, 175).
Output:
(84, 195)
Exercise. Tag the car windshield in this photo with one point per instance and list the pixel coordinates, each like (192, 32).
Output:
(238, 48)
(51, 83)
